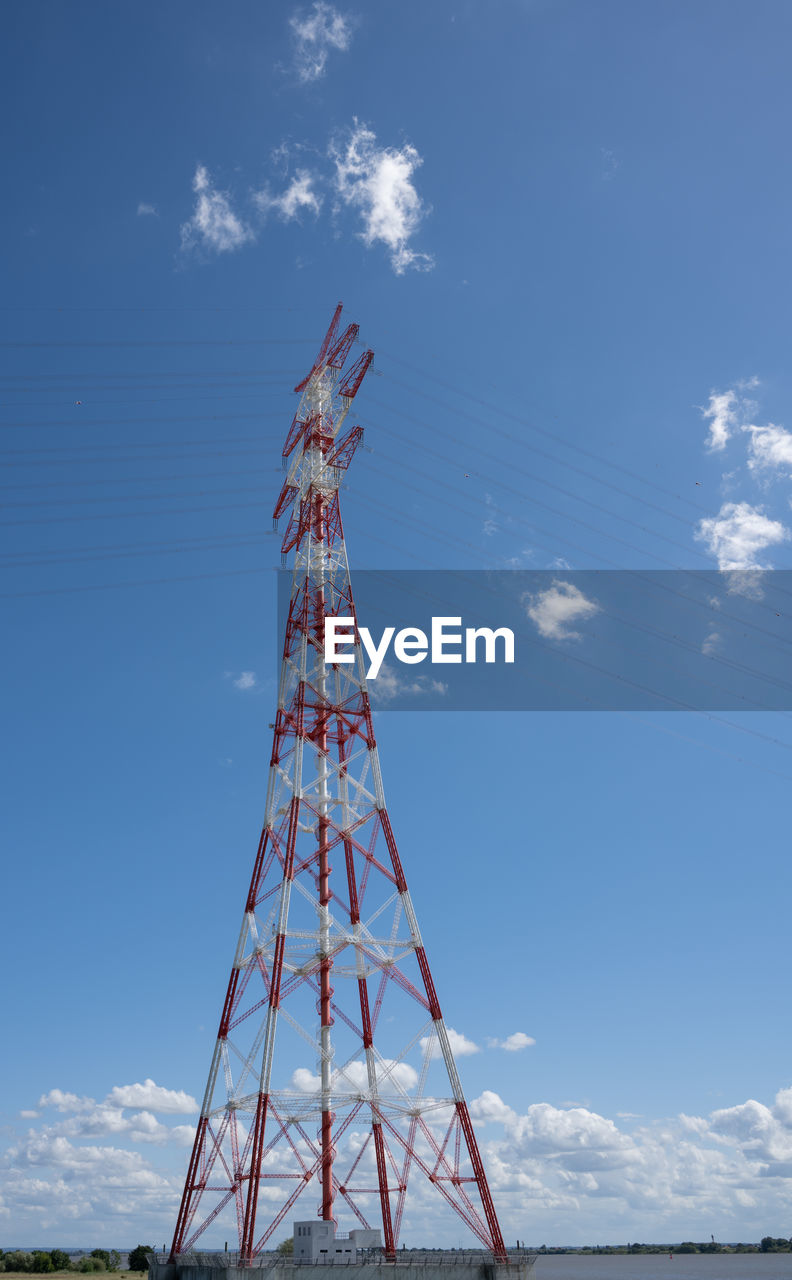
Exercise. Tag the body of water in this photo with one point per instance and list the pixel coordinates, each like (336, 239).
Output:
(658, 1266)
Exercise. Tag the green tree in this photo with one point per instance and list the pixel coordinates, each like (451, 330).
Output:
(18, 1260)
(137, 1258)
(42, 1262)
(60, 1260)
(286, 1247)
(772, 1244)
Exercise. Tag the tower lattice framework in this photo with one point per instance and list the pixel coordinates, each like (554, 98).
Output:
(333, 1074)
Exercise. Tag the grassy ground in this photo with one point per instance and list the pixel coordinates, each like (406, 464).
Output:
(73, 1275)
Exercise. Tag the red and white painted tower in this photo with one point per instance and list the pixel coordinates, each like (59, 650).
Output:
(333, 1076)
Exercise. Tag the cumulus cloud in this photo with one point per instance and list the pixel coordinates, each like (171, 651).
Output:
(149, 1096)
(214, 225)
(489, 1106)
(769, 449)
(353, 1077)
(63, 1101)
(298, 197)
(738, 535)
(573, 1172)
(554, 610)
(513, 1043)
(670, 1172)
(378, 183)
(461, 1046)
(316, 34)
(57, 1152)
(245, 680)
(86, 1118)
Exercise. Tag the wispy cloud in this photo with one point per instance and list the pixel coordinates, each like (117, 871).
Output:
(610, 164)
(738, 535)
(554, 610)
(245, 680)
(725, 411)
(390, 684)
(298, 197)
(721, 414)
(378, 182)
(214, 225)
(374, 182)
(146, 210)
(316, 34)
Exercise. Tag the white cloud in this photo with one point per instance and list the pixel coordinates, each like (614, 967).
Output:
(152, 1097)
(305, 1080)
(574, 1173)
(86, 1118)
(58, 1152)
(737, 1161)
(320, 31)
(725, 411)
(377, 182)
(722, 415)
(461, 1047)
(214, 225)
(353, 1078)
(548, 1129)
(555, 609)
(146, 210)
(738, 535)
(489, 1106)
(389, 684)
(65, 1101)
(710, 644)
(513, 1043)
(770, 449)
(299, 196)
(245, 680)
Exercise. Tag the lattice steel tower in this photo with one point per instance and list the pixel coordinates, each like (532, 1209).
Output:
(329, 933)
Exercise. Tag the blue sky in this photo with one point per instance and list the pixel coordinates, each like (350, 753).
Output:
(563, 228)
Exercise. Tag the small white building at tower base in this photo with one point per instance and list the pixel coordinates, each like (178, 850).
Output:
(316, 1241)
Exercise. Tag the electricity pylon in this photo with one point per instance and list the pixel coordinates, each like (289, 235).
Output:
(334, 944)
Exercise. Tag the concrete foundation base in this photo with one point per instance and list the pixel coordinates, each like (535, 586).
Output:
(433, 1265)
